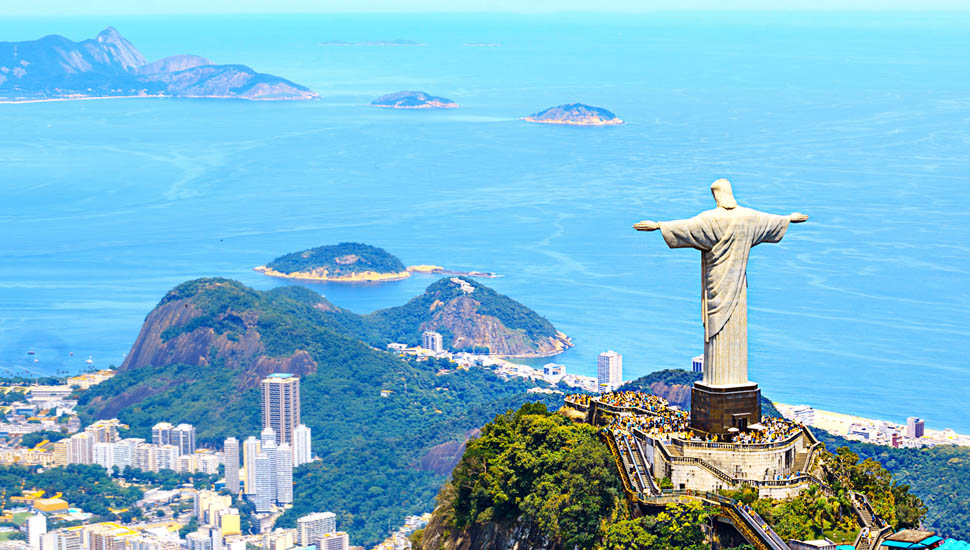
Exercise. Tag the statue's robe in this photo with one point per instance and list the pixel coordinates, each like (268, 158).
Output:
(725, 237)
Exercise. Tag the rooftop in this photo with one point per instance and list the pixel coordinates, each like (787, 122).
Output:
(281, 375)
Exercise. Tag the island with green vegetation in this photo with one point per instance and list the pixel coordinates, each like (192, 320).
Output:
(413, 100)
(351, 263)
(575, 114)
(204, 348)
(344, 262)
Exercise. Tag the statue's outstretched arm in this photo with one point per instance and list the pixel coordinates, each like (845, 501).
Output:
(795, 217)
(647, 225)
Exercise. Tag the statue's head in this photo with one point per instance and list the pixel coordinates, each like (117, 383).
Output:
(721, 189)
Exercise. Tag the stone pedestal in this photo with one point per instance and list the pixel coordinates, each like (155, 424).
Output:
(716, 409)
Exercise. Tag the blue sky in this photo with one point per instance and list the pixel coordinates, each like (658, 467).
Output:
(145, 7)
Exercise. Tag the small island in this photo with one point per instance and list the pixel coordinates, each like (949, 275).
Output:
(413, 100)
(344, 262)
(54, 68)
(575, 114)
(351, 263)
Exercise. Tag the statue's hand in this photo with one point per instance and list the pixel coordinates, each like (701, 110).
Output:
(797, 217)
(646, 225)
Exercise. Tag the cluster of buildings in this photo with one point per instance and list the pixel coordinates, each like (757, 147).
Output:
(266, 473)
(913, 434)
(171, 448)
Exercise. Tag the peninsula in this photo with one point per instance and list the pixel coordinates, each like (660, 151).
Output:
(351, 263)
(55, 68)
(413, 100)
(575, 114)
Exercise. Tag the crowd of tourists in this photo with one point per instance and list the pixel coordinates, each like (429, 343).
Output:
(774, 430)
(666, 422)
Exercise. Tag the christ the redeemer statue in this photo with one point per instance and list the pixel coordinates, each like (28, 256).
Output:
(724, 236)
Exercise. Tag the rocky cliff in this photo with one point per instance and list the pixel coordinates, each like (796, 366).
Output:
(471, 316)
(55, 67)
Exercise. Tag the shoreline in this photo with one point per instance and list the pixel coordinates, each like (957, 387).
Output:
(362, 277)
(371, 276)
(429, 105)
(614, 122)
(840, 423)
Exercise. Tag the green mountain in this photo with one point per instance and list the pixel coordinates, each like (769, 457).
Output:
(470, 316)
(203, 350)
(537, 481)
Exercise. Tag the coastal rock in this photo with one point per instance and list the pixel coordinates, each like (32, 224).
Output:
(55, 67)
(413, 100)
(575, 114)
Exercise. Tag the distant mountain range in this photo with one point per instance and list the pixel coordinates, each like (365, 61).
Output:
(55, 67)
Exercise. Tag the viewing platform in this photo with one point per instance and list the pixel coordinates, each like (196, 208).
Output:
(655, 442)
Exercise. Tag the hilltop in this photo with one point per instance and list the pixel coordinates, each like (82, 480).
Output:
(413, 100)
(537, 481)
(55, 67)
(575, 114)
(203, 349)
(344, 262)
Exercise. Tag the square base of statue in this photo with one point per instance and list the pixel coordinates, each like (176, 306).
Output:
(717, 409)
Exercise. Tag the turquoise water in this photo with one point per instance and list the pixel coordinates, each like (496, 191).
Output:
(860, 122)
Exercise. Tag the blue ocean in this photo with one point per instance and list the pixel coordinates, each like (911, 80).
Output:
(860, 121)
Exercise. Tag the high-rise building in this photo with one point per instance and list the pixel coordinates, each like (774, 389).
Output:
(271, 451)
(313, 526)
(281, 405)
(268, 435)
(124, 453)
(262, 482)
(231, 451)
(104, 431)
(162, 434)
(609, 371)
(697, 364)
(302, 445)
(36, 529)
(81, 448)
(209, 464)
(250, 452)
(183, 437)
(284, 474)
(104, 455)
(166, 457)
(333, 541)
(432, 340)
(915, 427)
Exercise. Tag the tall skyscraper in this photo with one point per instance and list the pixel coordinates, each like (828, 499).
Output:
(302, 445)
(250, 452)
(284, 474)
(162, 434)
(231, 451)
(263, 475)
(432, 340)
(609, 371)
(313, 526)
(915, 427)
(281, 405)
(183, 437)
